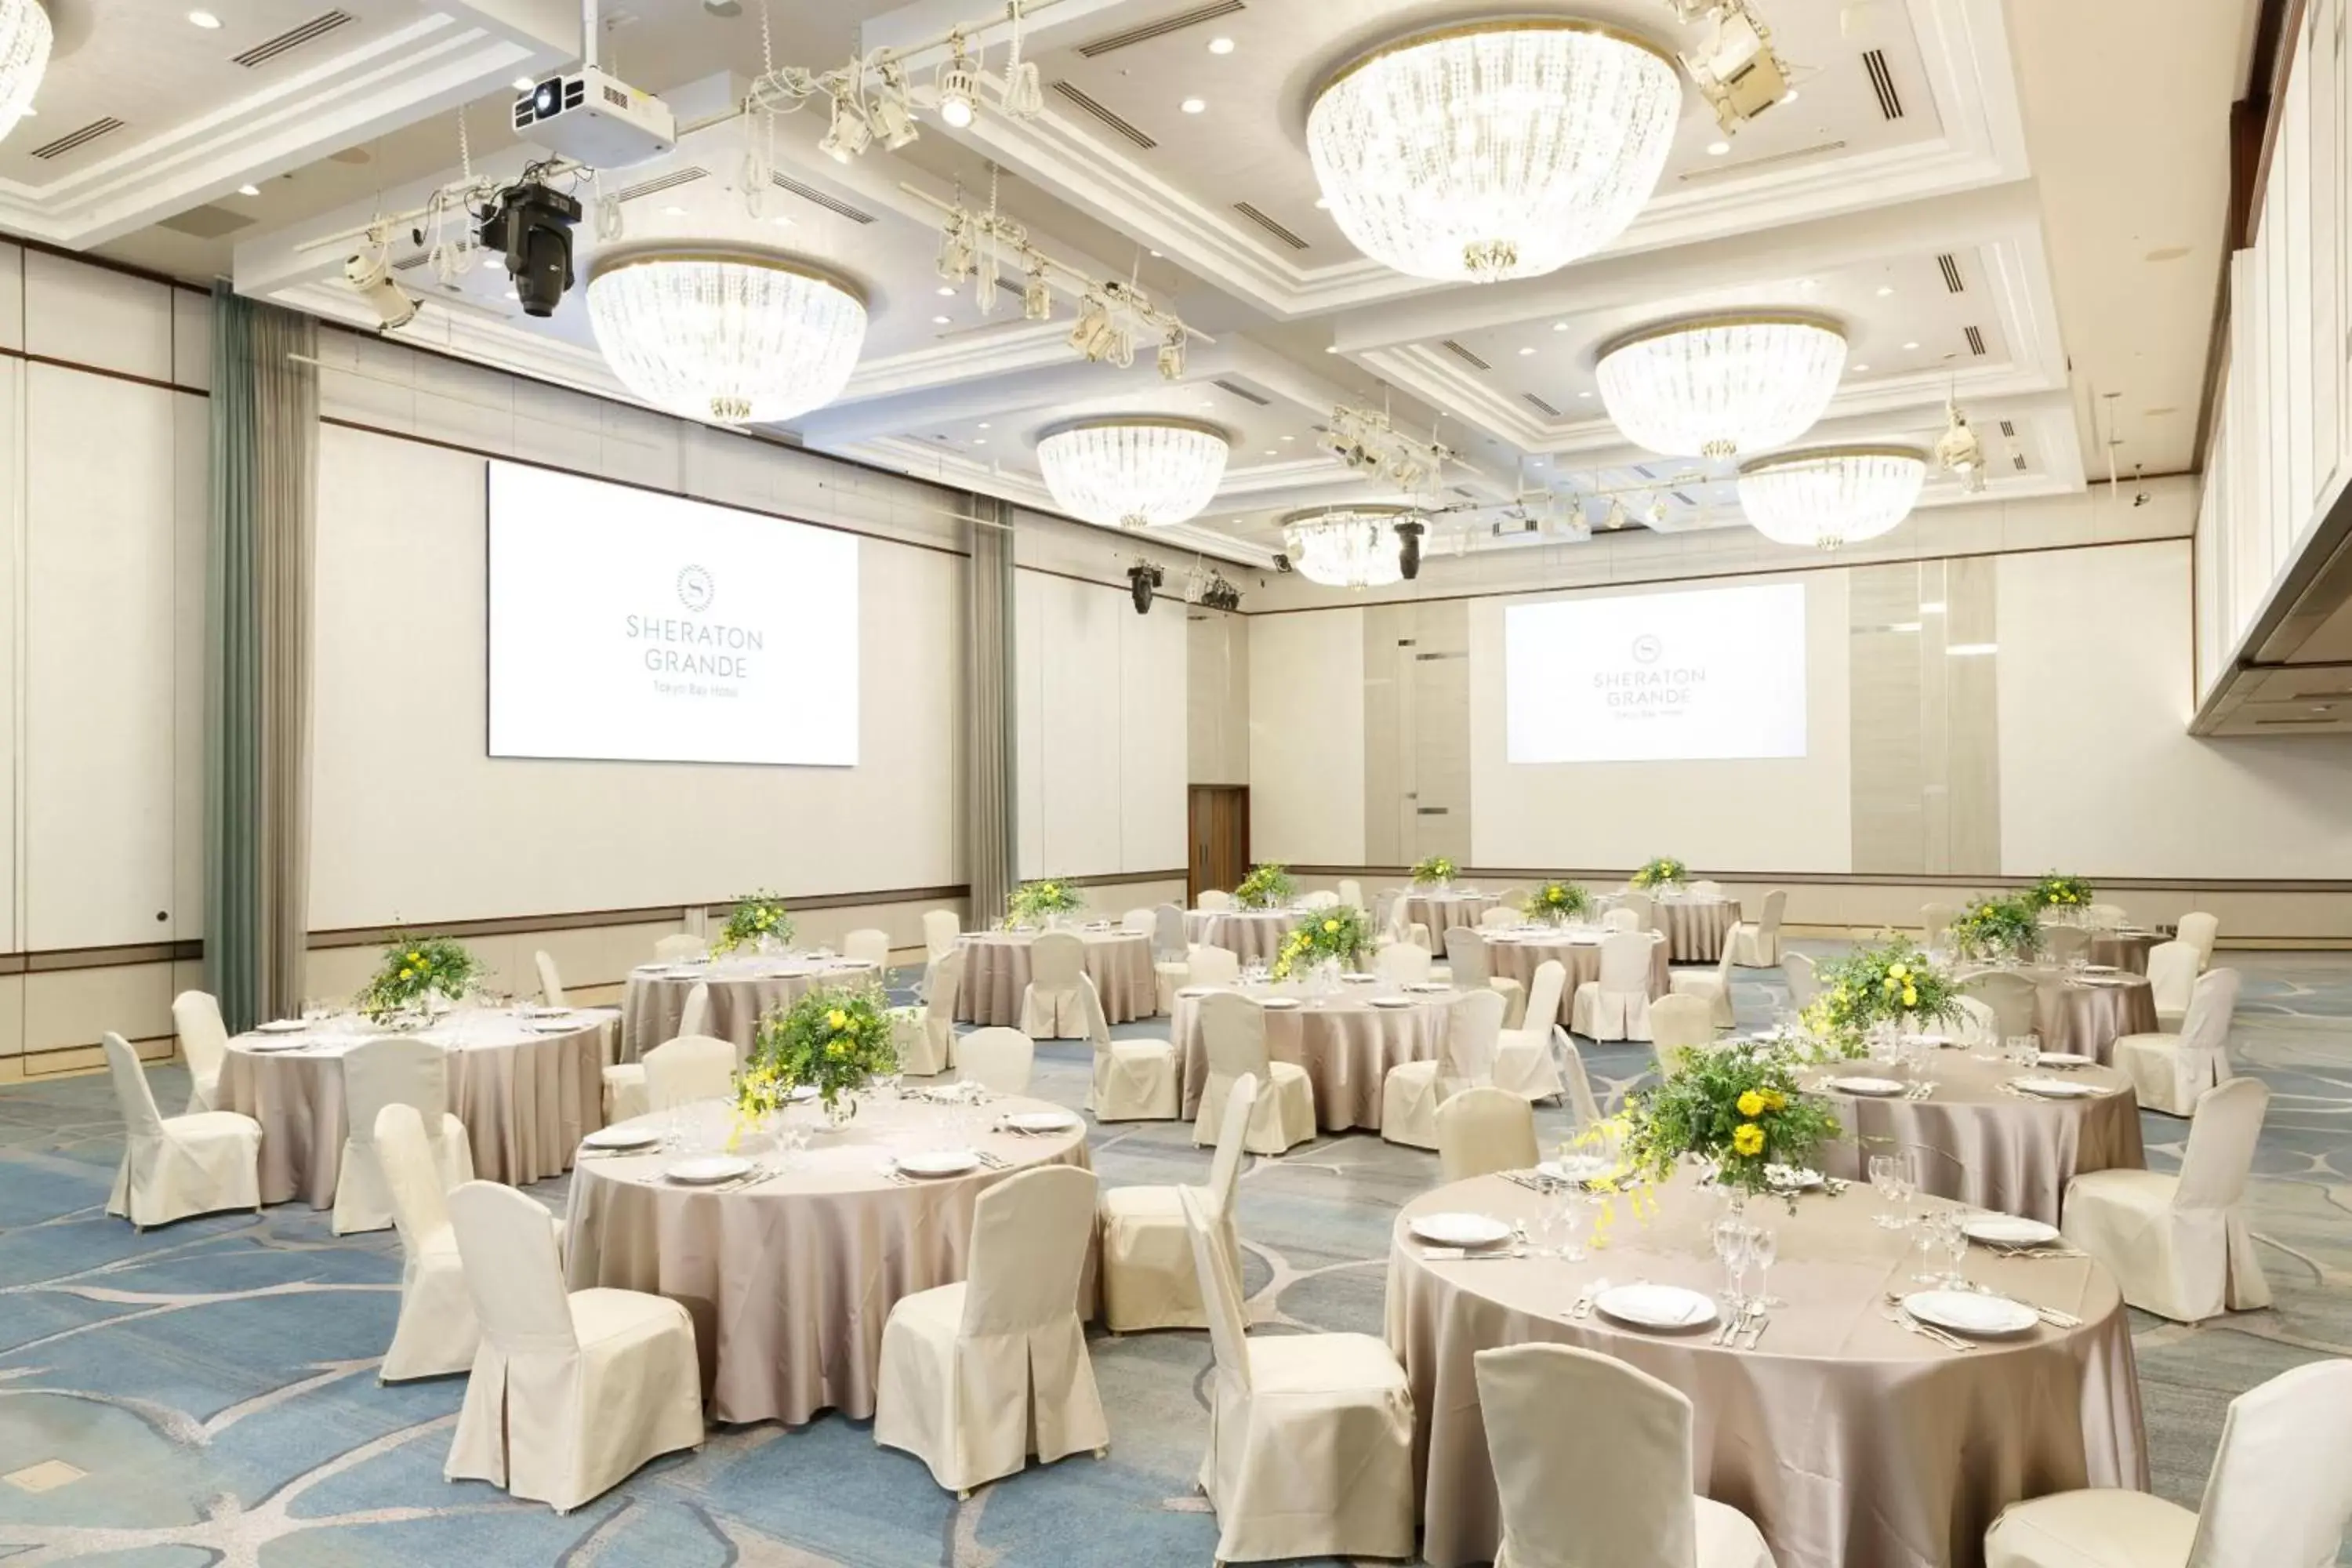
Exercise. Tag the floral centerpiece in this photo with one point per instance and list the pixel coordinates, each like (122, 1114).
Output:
(1558, 902)
(1267, 886)
(1890, 983)
(1993, 928)
(1666, 872)
(1738, 1107)
(1434, 871)
(756, 917)
(1032, 902)
(2058, 891)
(1341, 934)
(833, 1038)
(418, 970)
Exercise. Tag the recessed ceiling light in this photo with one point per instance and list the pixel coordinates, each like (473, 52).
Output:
(203, 19)
(1535, 462)
(980, 440)
(1931, 606)
(1193, 105)
(1858, 369)
(673, 210)
(512, 295)
(983, 423)
(1208, 402)
(1972, 649)
(1718, 149)
(1155, 256)
(1324, 202)
(248, 190)
(1584, 394)
(1220, 46)
(1884, 289)
(1910, 346)
(1527, 350)
(783, 222)
(524, 84)
(947, 290)
(1790, 96)
(1331, 348)
(1290, 437)
(1272, 453)
(1559, 326)
(939, 320)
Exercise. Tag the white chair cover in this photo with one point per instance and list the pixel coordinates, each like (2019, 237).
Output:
(1351, 892)
(1619, 920)
(626, 1097)
(1414, 1090)
(1498, 916)
(1803, 985)
(2010, 995)
(975, 1374)
(1523, 1058)
(1471, 964)
(688, 1068)
(941, 929)
(1311, 1436)
(177, 1166)
(1232, 1033)
(1615, 1487)
(1758, 946)
(2179, 1246)
(1484, 1130)
(551, 985)
(1050, 1008)
(1707, 889)
(2169, 1072)
(1616, 1005)
(680, 947)
(569, 1394)
(1141, 922)
(1213, 966)
(204, 1045)
(694, 1018)
(1170, 968)
(1935, 919)
(1148, 1277)
(2105, 917)
(1978, 1026)
(1134, 1080)
(2199, 929)
(868, 944)
(1583, 1106)
(1678, 1024)
(2064, 944)
(1323, 898)
(996, 1058)
(1214, 900)
(925, 1035)
(436, 1332)
(2172, 971)
(1405, 962)
(396, 1070)
(1643, 907)
(1168, 932)
(1715, 985)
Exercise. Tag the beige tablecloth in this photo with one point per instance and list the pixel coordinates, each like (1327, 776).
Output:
(526, 1098)
(1346, 1045)
(1695, 929)
(790, 1281)
(1516, 957)
(2085, 1015)
(996, 972)
(1975, 1143)
(1254, 936)
(742, 990)
(2124, 950)
(1441, 912)
(1850, 1441)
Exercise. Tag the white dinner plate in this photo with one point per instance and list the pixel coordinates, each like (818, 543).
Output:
(938, 1163)
(1576, 1168)
(1870, 1088)
(551, 1026)
(1936, 1042)
(1277, 1003)
(282, 1027)
(621, 1137)
(2065, 1059)
(534, 1010)
(800, 1094)
(1042, 1121)
(282, 1043)
(1431, 987)
(1191, 991)
(2009, 1230)
(1656, 1306)
(1390, 1001)
(1357, 977)
(1453, 1229)
(2055, 1088)
(704, 1170)
(1968, 1313)
(1793, 1178)
(2103, 969)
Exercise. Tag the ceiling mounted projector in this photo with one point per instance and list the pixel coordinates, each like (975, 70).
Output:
(594, 119)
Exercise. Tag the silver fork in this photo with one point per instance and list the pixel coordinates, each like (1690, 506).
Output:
(1582, 1307)
(1896, 1314)
(1733, 1325)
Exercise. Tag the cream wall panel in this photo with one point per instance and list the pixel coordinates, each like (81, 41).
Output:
(191, 340)
(69, 1007)
(11, 1016)
(1029, 637)
(1216, 697)
(101, 597)
(1152, 776)
(88, 315)
(13, 373)
(191, 533)
(1078, 784)
(1307, 737)
(12, 296)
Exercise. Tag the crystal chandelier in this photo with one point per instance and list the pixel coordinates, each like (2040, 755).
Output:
(1133, 473)
(1829, 496)
(24, 55)
(1498, 149)
(734, 337)
(1346, 547)
(1714, 386)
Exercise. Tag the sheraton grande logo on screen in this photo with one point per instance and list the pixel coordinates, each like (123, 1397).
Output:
(689, 645)
(1649, 686)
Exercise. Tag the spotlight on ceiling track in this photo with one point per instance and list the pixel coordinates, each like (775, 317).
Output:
(1958, 452)
(1409, 534)
(1141, 579)
(1735, 65)
(370, 277)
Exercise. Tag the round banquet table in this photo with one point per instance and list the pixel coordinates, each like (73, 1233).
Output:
(1695, 928)
(1983, 1143)
(1850, 1442)
(2084, 1014)
(526, 1089)
(742, 990)
(1517, 955)
(790, 1280)
(1441, 912)
(1254, 936)
(1346, 1044)
(996, 972)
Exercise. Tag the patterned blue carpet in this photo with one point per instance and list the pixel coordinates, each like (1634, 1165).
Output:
(205, 1394)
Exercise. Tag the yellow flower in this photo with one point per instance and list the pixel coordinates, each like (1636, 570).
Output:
(1331, 925)
(413, 958)
(836, 1017)
(1774, 1099)
(1751, 1105)
(1747, 1139)
(1910, 997)
(1899, 971)
(1891, 986)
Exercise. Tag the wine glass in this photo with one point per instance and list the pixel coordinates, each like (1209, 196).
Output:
(1764, 1247)
(1734, 1247)
(1883, 1181)
(1907, 1182)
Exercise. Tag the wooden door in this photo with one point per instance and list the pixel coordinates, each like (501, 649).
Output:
(1220, 838)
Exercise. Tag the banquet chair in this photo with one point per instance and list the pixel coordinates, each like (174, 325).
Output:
(997, 1059)
(684, 945)
(1412, 1091)
(940, 930)
(1935, 919)
(175, 1167)
(570, 1392)
(1644, 907)
(1497, 916)
(2179, 1246)
(551, 985)
(2009, 994)
(1472, 963)
(1707, 889)
(394, 1069)
(1617, 1485)
(1148, 1277)
(1803, 985)
(1616, 1005)
(204, 1046)
(1140, 922)
(1310, 1435)
(2279, 1493)
(1351, 892)
(1232, 1036)
(1978, 1026)
(1523, 1058)
(2172, 970)
(1212, 966)
(1213, 899)
(1715, 986)
(2170, 1071)
(624, 1082)
(925, 1035)
(2065, 945)
(1323, 898)
(977, 1374)
(1170, 971)
(1050, 1008)
(868, 944)
(2107, 917)
(688, 1068)
(1134, 1080)
(1584, 1110)
(694, 1018)
(1484, 1129)
(1404, 964)
(1758, 946)
(1619, 919)
(1679, 1024)
(2199, 930)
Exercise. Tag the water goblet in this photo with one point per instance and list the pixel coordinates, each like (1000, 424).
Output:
(1734, 1247)
(1764, 1247)
(1883, 1183)
(1951, 1229)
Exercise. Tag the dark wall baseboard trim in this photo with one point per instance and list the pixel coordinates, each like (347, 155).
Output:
(1986, 881)
(652, 914)
(58, 960)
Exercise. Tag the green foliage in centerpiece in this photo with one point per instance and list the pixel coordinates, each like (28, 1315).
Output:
(415, 969)
(1435, 870)
(1342, 933)
(1031, 903)
(1666, 872)
(1881, 985)
(2058, 891)
(832, 1039)
(756, 915)
(1267, 886)
(1737, 1106)
(1559, 902)
(1991, 928)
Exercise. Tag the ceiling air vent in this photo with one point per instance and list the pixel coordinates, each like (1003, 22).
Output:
(2018, 458)
(318, 26)
(1882, 82)
(669, 181)
(1464, 355)
(1548, 411)
(1953, 282)
(2008, 429)
(1160, 29)
(1078, 98)
(811, 194)
(1238, 390)
(1682, 498)
(1976, 342)
(207, 222)
(1270, 227)
(73, 141)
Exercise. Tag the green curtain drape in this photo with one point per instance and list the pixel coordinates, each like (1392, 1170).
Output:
(991, 818)
(257, 577)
